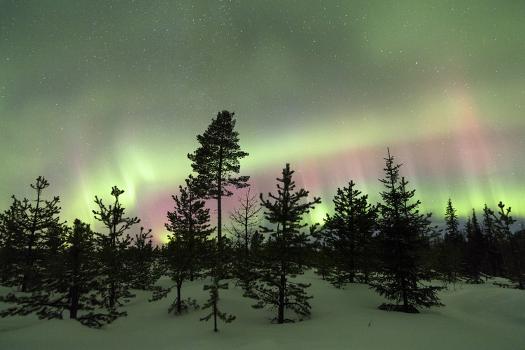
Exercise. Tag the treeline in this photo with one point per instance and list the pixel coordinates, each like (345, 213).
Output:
(54, 269)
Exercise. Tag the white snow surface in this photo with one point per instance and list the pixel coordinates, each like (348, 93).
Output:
(475, 317)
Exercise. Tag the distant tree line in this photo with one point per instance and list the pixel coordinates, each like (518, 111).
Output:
(53, 269)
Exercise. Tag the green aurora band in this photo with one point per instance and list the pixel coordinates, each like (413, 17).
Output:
(95, 94)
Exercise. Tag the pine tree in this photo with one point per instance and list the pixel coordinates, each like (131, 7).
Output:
(285, 250)
(349, 235)
(403, 233)
(453, 245)
(475, 250)
(115, 273)
(213, 303)
(186, 250)
(511, 245)
(494, 241)
(10, 255)
(24, 227)
(69, 280)
(143, 265)
(216, 161)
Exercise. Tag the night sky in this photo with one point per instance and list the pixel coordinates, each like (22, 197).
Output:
(98, 93)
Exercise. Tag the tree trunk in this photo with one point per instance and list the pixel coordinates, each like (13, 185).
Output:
(215, 316)
(73, 310)
(280, 316)
(179, 301)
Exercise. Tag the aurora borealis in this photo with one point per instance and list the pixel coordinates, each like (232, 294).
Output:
(101, 93)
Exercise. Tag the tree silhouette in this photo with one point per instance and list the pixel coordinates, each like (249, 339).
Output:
(403, 235)
(349, 235)
(216, 161)
(475, 250)
(285, 250)
(184, 255)
(115, 273)
(244, 223)
(453, 245)
(24, 228)
(69, 281)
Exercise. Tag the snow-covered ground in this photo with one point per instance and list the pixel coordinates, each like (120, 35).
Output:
(475, 317)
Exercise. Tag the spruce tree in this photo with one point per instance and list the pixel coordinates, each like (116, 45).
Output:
(10, 255)
(112, 251)
(475, 250)
(453, 245)
(403, 233)
(184, 255)
(494, 242)
(285, 250)
(350, 235)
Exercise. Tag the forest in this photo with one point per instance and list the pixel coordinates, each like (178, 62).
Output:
(56, 269)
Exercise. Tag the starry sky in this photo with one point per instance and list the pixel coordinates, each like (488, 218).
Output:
(101, 93)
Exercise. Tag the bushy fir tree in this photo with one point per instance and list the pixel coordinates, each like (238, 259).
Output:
(453, 246)
(285, 250)
(475, 250)
(403, 234)
(350, 236)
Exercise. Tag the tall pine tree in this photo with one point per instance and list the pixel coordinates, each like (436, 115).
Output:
(217, 163)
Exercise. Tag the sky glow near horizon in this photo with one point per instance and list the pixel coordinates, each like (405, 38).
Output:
(95, 94)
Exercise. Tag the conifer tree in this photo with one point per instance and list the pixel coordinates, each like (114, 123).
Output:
(213, 301)
(403, 233)
(69, 281)
(494, 241)
(285, 250)
(349, 235)
(453, 245)
(10, 256)
(475, 250)
(216, 161)
(142, 261)
(184, 255)
(511, 245)
(112, 248)
(24, 227)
